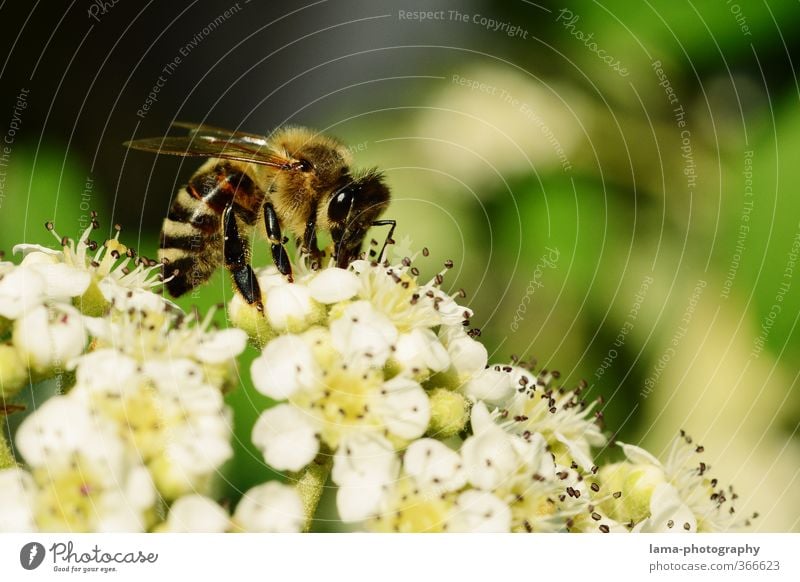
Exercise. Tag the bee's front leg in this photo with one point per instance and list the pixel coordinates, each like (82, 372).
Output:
(236, 251)
(309, 245)
(279, 255)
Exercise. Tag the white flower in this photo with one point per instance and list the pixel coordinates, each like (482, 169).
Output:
(166, 411)
(363, 332)
(290, 307)
(480, 512)
(433, 465)
(491, 455)
(196, 513)
(395, 292)
(221, 346)
(85, 478)
(105, 368)
(362, 466)
(336, 397)
(403, 407)
(48, 337)
(467, 355)
(17, 491)
(688, 499)
(286, 437)
(62, 282)
(423, 497)
(333, 285)
(491, 385)
(63, 427)
(285, 366)
(420, 350)
(74, 270)
(21, 290)
(561, 416)
(148, 335)
(163, 336)
(271, 507)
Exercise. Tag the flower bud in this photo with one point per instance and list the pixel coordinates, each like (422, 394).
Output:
(636, 482)
(13, 372)
(449, 413)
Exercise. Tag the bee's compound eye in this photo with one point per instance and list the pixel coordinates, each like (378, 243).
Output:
(339, 206)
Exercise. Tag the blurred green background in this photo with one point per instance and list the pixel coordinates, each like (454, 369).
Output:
(614, 180)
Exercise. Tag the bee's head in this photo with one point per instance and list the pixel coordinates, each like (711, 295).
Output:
(352, 208)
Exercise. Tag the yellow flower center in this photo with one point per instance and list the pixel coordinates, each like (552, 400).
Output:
(413, 510)
(342, 401)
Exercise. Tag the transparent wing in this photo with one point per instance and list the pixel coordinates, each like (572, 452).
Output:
(214, 142)
(196, 129)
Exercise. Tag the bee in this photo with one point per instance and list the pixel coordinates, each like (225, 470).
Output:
(295, 181)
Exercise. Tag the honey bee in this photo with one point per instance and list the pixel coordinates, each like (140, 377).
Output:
(294, 181)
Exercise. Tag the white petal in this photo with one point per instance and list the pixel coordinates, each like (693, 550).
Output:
(638, 455)
(139, 489)
(578, 454)
(479, 512)
(103, 369)
(403, 407)
(17, 495)
(480, 418)
(433, 464)
(363, 332)
(172, 375)
(221, 346)
(333, 285)
(489, 456)
(62, 281)
(285, 366)
(126, 298)
(197, 513)
(359, 502)
(271, 507)
(365, 459)
(451, 313)
(467, 355)
(21, 290)
(27, 249)
(289, 305)
(420, 349)
(196, 453)
(490, 385)
(286, 437)
(63, 426)
(50, 337)
(667, 507)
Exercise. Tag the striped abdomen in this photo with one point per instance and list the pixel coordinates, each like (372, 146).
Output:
(191, 236)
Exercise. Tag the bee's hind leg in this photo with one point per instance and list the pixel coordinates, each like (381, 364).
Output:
(236, 251)
(276, 241)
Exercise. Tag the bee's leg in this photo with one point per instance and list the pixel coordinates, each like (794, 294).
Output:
(389, 240)
(279, 255)
(309, 246)
(236, 251)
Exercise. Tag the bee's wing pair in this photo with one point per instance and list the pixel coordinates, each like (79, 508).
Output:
(215, 142)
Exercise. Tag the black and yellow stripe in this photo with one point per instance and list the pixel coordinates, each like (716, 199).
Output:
(191, 235)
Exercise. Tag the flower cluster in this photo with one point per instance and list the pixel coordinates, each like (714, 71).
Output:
(143, 424)
(378, 383)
